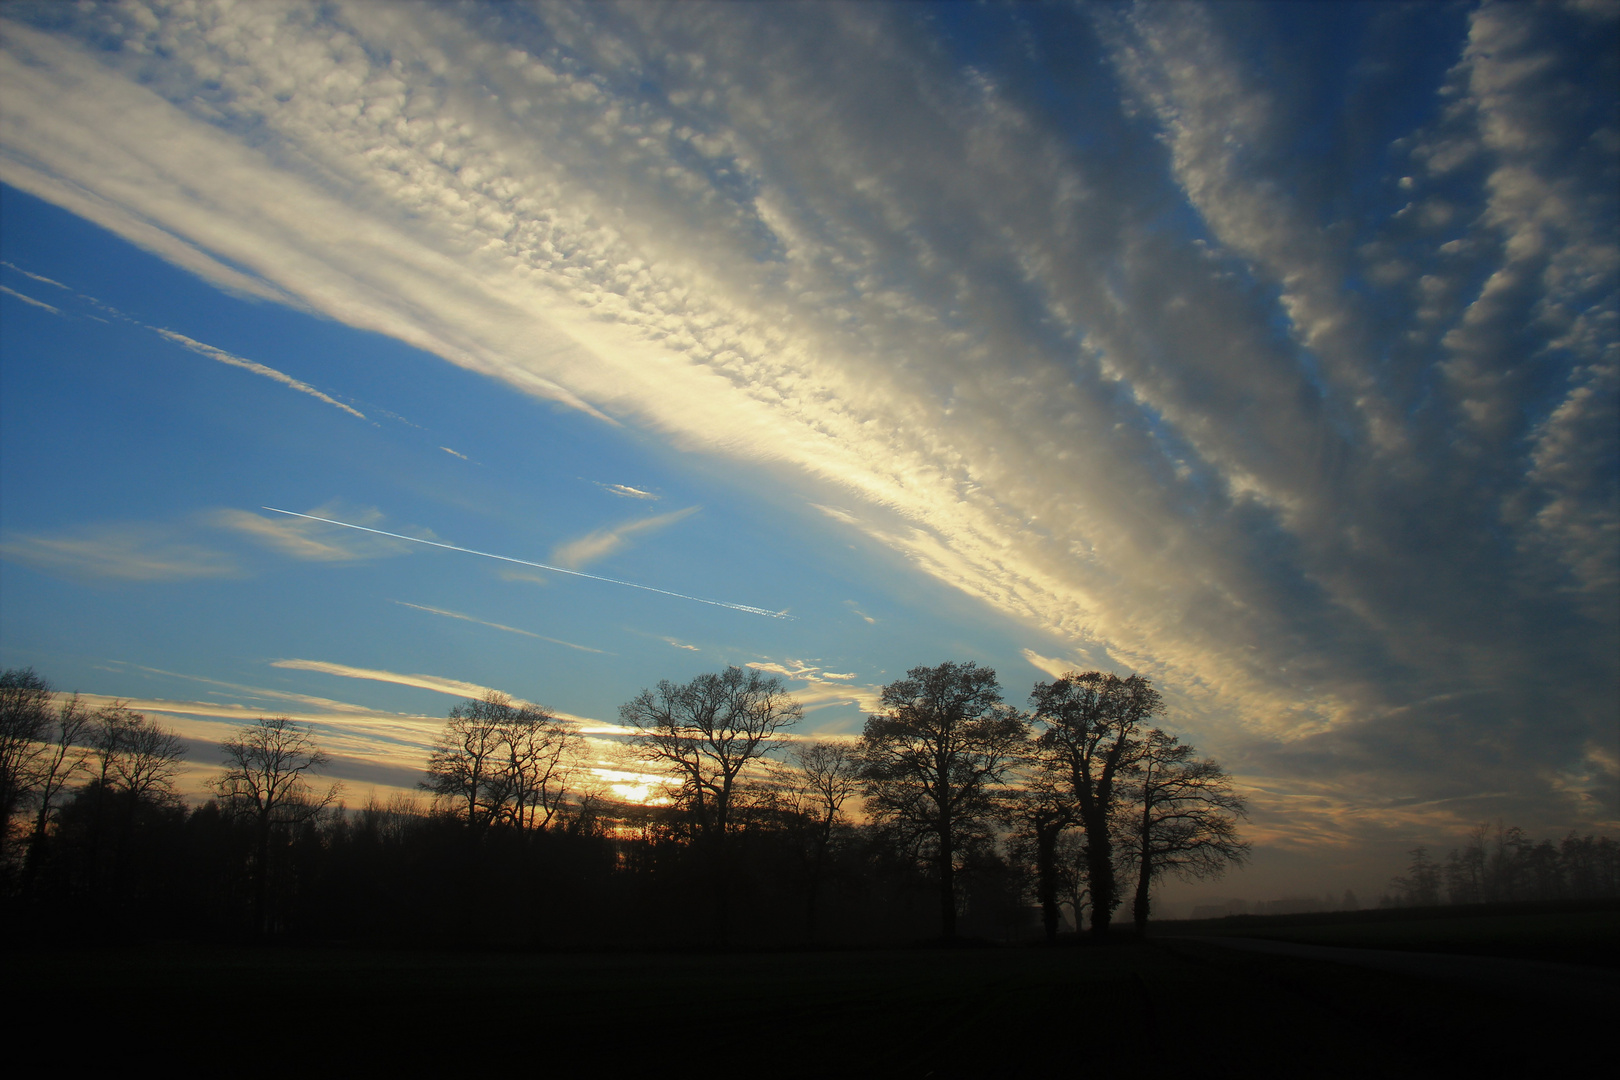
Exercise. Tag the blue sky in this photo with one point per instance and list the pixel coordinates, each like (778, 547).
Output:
(1267, 350)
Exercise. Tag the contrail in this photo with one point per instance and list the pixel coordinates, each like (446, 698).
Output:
(540, 566)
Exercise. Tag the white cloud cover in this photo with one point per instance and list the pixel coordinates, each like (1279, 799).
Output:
(1314, 441)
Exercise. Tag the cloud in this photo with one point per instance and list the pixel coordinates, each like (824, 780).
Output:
(822, 689)
(123, 552)
(33, 276)
(455, 453)
(625, 491)
(30, 300)
(497, 626)
(604, 542)
(309, 540)
(453, 687)
(289, 538)
(1052, 666)
(863, 616)
(258, 369)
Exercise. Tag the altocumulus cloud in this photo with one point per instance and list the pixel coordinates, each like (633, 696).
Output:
(1325, 442)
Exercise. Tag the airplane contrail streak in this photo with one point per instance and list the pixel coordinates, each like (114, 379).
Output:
(540, 566)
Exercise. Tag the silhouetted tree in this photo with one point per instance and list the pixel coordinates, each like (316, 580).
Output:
(1183, 818)
(934, 765)
(1420, 886)
(829, 775)
(1041, 818)
(706, 732)
(501, 763)
(60, 760)
(136, 756)
(1089, 731)
(25, 712)
(266, 782)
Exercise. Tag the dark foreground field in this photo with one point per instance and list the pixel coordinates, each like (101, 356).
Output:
(1166, 1007)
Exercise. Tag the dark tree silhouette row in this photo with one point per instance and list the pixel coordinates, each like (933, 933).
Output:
(980, 804)
(1501, 864)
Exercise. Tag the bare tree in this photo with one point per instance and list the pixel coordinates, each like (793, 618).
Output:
(829, 777)
(134, 762)
(60, 761)
(500, 763)
(935, 763)
(148, 757)
(706, 732)
(540, 752)
(25, 711)
(1183, 818)
(134, 756)
(1089, 736)
(266, 781)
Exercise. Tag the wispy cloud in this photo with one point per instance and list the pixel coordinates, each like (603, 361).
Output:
(497, 626)
(1049, 664)
(288, 537)
(41, 278)
(625, 491)
(438, 684)
(310, 539)
(271, 373)
(455, 453)
(452, 687)
(859, 614)
(821, 688)
(750, 609)
(124, 552)
(604, 542)
(30, 300)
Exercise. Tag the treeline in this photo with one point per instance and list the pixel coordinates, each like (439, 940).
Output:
(978, 815)
(1501, 863)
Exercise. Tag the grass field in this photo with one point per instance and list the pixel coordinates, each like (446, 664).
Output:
(1568, 932)
(1164, 1006)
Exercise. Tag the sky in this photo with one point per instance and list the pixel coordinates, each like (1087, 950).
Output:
(1266, 350)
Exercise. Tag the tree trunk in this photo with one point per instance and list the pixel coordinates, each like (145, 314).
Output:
(947, 887)
(1046, 878)
(1100, 875)
(261, 883)
(1144, 881)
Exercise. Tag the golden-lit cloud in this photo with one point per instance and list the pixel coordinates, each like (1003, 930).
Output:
(313, 541)
(289, 537)
(625, 491)
(452, 687)
(591, 547)
(1051, 665)
(131, 551)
